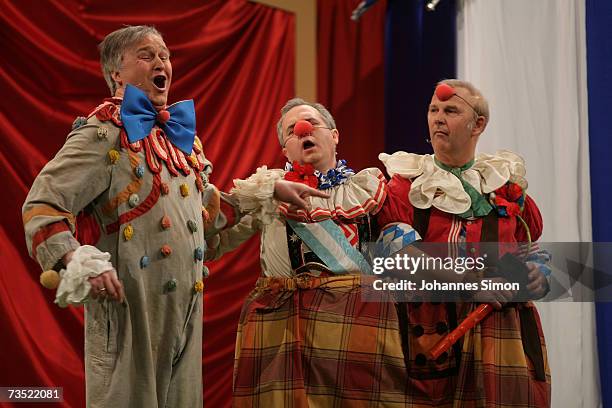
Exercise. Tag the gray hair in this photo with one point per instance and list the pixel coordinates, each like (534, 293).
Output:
(114, 46)
(480, 103)
(292, 103)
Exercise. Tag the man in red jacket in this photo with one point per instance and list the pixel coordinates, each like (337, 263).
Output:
(458, 198)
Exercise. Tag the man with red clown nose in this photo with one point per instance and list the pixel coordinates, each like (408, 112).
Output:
(305, 335)
(135, 173)
(469, 354)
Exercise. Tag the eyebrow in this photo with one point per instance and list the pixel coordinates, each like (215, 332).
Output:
(308, 119)
(151, 48)
(450, 105)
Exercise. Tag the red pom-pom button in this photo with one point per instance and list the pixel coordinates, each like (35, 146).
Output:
(163, 116)
(302, 128)
(444, 92)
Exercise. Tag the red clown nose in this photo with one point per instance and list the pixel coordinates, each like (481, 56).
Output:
(302, 128)
(444, 92)
(163, 116)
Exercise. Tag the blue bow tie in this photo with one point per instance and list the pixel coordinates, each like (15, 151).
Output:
(138, 116)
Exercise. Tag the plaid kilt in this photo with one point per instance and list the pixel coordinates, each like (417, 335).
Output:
(312, 341)
(503, 364)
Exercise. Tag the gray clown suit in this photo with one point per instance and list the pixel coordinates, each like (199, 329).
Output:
(147, 204)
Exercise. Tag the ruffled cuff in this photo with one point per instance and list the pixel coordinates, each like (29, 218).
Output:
(255, 195)
(87, 262)
(363, 193)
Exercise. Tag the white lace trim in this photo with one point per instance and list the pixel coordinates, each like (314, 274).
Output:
(255, 195)
(362, 193)
(433, 186)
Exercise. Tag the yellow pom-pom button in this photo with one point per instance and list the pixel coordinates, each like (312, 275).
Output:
(128, 232)
(184, 190)
(113, 156)
(198, 286)
(50, 279)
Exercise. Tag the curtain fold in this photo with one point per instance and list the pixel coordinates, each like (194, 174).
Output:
(529, 60)
(599, 68)
(420, 50)
(350, 77)
(236, 59)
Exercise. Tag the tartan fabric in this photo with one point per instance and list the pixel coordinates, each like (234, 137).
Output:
(311, 341)
(495, 370)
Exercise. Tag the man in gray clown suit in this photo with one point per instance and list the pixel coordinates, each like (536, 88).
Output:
(136, 168)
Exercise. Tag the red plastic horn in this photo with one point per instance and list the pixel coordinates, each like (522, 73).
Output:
(302, 128)
(444, 92)
(467, 324)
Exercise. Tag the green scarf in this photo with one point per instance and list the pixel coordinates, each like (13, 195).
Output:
(480, 206)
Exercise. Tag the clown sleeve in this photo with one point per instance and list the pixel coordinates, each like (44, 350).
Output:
(395, 219)
(78, 173)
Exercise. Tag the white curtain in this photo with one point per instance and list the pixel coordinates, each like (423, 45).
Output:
(528, 57)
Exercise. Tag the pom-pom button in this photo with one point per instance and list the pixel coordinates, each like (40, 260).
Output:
(128, 232)
(144, 262)
(50, 279)
(193, 227)
(198, 286)
(166, 251)
(163, 116)
(198, 254)
(165, 222)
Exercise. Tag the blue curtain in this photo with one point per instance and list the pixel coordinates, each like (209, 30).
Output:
(420, 50)
(599, 74)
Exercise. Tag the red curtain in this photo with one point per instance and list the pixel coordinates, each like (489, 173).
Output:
(236, 60)
(350, 73)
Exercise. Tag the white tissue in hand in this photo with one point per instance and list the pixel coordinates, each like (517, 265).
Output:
(87, 262)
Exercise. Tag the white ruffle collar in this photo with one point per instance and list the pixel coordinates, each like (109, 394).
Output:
(361, 194)
(434, 186)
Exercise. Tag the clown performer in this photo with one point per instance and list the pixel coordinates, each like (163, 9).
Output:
(305, 337)
(134, 173)
(457, 198)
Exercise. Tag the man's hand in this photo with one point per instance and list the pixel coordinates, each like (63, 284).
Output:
(295, 194)
(496, 298)
(107, 284)
(67, 258)
(538, 285)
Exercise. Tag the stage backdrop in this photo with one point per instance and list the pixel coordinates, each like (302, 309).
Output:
(236, 60)
(529, 59)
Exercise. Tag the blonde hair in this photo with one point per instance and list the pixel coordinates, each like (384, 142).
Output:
(115, 44)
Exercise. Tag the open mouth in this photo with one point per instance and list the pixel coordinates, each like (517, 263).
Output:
(160, 82)
(307, 144)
